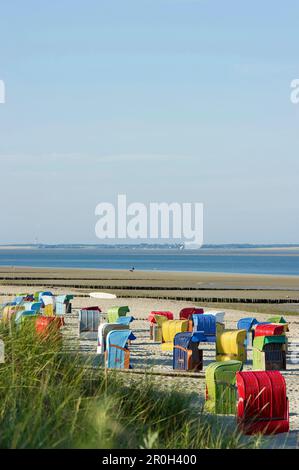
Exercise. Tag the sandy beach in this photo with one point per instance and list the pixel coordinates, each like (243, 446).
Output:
(147, 355)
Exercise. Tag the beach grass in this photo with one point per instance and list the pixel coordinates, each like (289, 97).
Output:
(48, 400)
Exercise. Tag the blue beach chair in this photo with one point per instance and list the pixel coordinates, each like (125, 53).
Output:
(33, 306)
(25, 315)
(206, 325)
(247, 324)
(186, 355)
(117, 352)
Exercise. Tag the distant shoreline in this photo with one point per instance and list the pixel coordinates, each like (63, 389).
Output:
(153, 247)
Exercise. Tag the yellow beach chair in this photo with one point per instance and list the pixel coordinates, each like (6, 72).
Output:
(169, 329)
(230, 345)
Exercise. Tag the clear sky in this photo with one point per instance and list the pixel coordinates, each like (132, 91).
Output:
(164, 100)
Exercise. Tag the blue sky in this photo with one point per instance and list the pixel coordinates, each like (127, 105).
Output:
(164, 100)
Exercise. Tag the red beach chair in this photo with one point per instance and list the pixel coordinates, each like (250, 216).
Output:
(46, 326)
(151, 317)
(262, 404)
(186, 313)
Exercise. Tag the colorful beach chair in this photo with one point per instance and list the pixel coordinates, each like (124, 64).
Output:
(221, 391)
(113, 313)
(103, 331)
(186, 355)
(163, 313)
(169, 329)
(269, 348)
(63, 304)
(25, 317)
(48, 301)
(247, 323)
(186, 313)
(218, 314)
(89, 319)
(206, 325)
(156, 328)
(263, 404)
(230, 345)
(9, 311)
(47, 327)
(34, 306)
(117, 352)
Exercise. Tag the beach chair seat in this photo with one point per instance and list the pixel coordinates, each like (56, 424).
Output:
(63, 304)
(113, 313)
(187, 312)
(247, 323)
(221, 391)
(48, 326)
(169, 329)
(206, 324)
(103, 331)
(89, 319)
(117, 354)
(156, 328)
(186, 355)
(262, 404)
(230, 345)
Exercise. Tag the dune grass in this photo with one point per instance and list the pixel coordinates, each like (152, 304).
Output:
(48, 400)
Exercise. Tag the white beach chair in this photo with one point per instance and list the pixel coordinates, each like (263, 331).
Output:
(219, 314)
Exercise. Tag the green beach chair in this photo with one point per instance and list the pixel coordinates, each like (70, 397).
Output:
(221, 392)
(269, 353)
(113, 313)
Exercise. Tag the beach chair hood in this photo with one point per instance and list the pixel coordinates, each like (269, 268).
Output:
(205, 323)
(113, 313)
(151, 317)
(221, 394)
(262, 403)
(117, 351)
(230, 345)
(246, 323)
(103, 331)
(269, 330)
(169, 329)
(187, 312)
